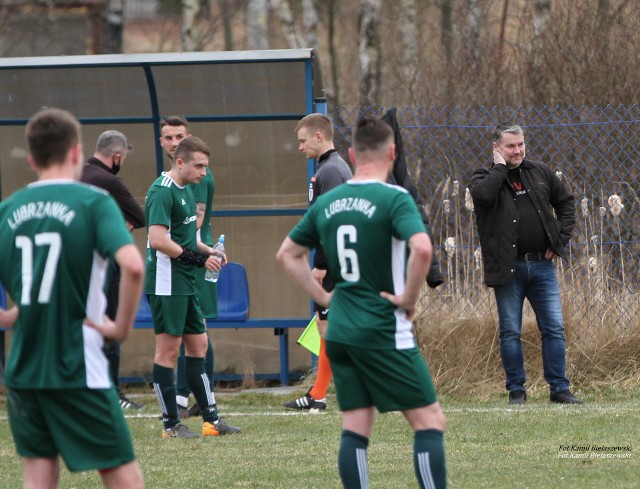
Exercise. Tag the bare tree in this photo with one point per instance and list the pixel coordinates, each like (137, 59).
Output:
(225, 11)
(535, 49)
(189, 37)
(447, 35)
(541, 17)
(474, 22)
(333, 89)
(310, 23)
(258, 24)
(113, 23)
(291, 31)
(472, 52)
(503, 28)
(369, 52)
(410, 39)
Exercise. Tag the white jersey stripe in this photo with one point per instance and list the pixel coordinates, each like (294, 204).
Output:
(96, 364)
(163, 272)
(166, 181)
(404, 334)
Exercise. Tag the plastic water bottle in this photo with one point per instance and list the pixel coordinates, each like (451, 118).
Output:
(211, 276)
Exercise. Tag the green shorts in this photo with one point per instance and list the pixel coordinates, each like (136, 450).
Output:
(176, 315)
(390, 380)
(85, 427)
(207, 293)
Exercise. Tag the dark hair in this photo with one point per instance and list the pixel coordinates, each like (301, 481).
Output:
(175, 121)
(190, 145)
(317, 123)
(371, 134)
(50, 134)
(507, 127)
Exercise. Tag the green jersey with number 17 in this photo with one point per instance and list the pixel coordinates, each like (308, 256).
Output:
(364, 227)
(56, 237)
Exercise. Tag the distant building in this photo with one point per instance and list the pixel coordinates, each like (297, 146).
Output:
(65, 27)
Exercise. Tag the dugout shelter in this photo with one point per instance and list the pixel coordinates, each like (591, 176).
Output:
(244, 105)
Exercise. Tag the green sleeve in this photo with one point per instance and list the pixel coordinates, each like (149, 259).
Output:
(405, 218)
(305, 232)
(158, 207)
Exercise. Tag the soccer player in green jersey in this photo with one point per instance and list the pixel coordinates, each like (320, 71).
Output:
(378, 254)
(174, 129)
(56, 240)
(172, 253)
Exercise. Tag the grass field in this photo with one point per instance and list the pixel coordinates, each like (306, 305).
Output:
(488, 445)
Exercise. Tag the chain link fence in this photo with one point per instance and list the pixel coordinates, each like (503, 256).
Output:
(594, 150)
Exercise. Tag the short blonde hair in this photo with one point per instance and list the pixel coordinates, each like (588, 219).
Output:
(317, 123)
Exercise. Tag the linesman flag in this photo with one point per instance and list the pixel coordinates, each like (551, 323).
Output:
(310, 337)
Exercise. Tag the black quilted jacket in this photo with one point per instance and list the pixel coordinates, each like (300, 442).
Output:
(497, 218)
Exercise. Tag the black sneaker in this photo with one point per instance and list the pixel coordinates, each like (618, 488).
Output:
(193, 412)
(564, 397)
(126, 403)
(307, 402)
(517, 397)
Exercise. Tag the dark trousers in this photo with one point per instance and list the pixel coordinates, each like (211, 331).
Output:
(112, 349)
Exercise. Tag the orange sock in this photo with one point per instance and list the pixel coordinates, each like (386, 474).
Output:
(323, 377)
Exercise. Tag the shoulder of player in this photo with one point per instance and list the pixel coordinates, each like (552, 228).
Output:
(164, 184)
(381, 187)
(395, 187)
(91, 187)
(332, 162)
(104, 180)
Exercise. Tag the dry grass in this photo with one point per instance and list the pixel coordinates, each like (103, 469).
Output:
(464, 355)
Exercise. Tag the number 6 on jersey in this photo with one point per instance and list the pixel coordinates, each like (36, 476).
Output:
(349, 267)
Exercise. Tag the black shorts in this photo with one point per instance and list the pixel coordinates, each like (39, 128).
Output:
(328, 285)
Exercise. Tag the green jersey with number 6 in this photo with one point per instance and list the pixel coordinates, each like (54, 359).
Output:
(56, 237)
(364, 227)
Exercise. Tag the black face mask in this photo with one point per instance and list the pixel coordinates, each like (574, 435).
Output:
(115, 167)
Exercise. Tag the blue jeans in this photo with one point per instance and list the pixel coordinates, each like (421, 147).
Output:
(536, 281)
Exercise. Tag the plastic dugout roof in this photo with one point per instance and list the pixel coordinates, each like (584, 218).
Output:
(268, 85)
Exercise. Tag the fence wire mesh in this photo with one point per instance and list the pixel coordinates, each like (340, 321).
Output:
(594, 150)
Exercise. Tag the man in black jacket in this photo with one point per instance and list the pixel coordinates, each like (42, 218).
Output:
(400, 176)
(515, 200)
(101, 169)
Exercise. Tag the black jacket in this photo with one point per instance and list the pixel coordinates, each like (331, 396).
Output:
(497, 216)
(400, 176)
(98, 174)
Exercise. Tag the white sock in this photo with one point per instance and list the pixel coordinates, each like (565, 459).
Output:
(182, 401)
